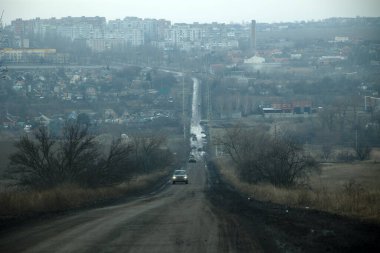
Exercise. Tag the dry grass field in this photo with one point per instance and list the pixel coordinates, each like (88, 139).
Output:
(350, 189)
(335, 175)
(68, 196)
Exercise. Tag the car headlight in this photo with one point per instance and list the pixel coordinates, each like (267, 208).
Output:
(174, 177)
(185, 177)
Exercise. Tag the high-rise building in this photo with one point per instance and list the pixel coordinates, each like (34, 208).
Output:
(253, 37)
(18, 27)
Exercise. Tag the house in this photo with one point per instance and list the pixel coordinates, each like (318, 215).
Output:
(294, 107)
(43, 120)
(9, 121)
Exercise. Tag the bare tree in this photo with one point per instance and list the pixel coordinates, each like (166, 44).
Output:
(148, 152)
(114, 167)
(260, 157)
(328, 118)
(326, 151)
(362, 148)
(35, 162)
(284, 162)
(327, 140)
(240, 143)
(247, 104)
(78, 151)
(43, 162)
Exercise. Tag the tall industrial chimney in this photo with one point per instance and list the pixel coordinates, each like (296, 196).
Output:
(253, 37)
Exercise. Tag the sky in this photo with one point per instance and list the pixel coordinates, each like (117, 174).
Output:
(189, 11)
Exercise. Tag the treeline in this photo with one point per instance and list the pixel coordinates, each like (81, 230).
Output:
(43, 162)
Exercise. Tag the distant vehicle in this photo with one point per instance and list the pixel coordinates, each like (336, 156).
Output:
(192, 159)
(180, 176)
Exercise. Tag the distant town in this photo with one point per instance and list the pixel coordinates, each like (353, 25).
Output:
(41, 40)
(143, 135)
(129, 71)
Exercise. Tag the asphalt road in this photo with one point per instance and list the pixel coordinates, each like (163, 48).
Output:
(206, 215)
(178, 219)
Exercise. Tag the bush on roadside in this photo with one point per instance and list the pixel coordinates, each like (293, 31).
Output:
(43, 162)
(260, 157)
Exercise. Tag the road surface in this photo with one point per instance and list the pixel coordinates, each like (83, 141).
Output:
(206, 215)
(178, 219)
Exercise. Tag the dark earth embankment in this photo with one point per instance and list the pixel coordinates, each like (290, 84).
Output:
(278, 228)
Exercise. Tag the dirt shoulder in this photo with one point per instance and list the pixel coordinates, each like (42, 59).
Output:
(278, 228)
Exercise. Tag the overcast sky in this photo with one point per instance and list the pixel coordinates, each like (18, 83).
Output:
(192, 10)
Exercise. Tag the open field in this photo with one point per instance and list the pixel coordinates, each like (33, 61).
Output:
(350, 189)
(335, 175)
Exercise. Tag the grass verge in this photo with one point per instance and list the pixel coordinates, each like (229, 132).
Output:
(350, 198)
(14, 204)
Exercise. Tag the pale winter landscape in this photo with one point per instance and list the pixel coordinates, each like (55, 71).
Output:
(189, 127)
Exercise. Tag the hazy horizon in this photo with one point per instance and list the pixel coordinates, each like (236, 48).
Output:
(223, 11)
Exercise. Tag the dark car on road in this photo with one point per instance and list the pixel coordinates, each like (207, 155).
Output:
(192, 159)
(180, 176)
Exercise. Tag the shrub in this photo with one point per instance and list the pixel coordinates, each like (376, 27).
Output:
(259, 157)
(44, 162)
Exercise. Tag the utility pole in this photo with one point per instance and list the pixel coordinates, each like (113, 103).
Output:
(275, 130)
(356, 139)
(209, 109)
(183, 107)
(209, 117)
